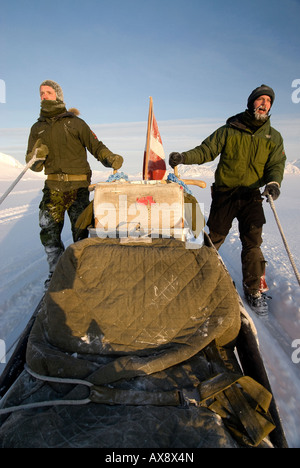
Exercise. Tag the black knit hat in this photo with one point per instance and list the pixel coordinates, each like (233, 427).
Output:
(261, 90)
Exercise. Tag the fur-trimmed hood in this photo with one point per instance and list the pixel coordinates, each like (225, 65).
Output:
(74, 111)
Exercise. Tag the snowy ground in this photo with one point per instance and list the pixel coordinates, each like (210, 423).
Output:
(23, 269)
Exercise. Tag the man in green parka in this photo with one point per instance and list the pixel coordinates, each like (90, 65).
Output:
(251, 156)
(62, 138)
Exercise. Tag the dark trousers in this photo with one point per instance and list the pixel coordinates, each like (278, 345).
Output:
(246, 206)
(53, 206)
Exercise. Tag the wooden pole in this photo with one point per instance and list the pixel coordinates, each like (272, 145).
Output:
(146, 156)
(200, 183)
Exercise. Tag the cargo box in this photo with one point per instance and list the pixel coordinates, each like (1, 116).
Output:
(141, 209)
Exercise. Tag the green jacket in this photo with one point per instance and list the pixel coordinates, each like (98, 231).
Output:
(249, 156)
(67, 138)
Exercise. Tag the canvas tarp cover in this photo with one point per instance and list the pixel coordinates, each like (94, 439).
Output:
(146, 307)
(129, 316)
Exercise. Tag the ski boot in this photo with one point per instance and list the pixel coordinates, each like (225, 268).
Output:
(258, 303)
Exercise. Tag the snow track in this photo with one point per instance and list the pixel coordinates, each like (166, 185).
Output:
(11, 214)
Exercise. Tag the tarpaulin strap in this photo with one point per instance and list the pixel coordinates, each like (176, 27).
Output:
(242, 403)
(114, 396)
(104, 395)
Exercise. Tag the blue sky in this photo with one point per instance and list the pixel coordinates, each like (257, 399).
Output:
(199, 60)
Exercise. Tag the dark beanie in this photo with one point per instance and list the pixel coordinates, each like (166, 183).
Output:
(261, 90)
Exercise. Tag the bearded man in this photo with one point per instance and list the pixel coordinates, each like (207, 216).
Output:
(251, 156)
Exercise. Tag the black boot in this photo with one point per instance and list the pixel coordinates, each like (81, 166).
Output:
(258, 303)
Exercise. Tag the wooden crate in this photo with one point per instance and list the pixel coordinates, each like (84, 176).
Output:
(137, 209)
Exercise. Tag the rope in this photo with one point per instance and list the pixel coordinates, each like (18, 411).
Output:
(117, 176)
(270, 199)
(40, 404)
(173, 178)
(47, 378)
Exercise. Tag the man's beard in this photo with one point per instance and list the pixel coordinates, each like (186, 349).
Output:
(260, 117)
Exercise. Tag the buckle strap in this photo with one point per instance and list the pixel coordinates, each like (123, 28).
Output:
(67, 177)
(113, 396)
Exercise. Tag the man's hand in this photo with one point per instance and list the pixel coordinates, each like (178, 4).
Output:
(41, 153)
(116, 161)
(175, 159)
(272, 188)
(42, 150)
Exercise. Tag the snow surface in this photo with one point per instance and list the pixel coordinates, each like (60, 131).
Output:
(23, 270)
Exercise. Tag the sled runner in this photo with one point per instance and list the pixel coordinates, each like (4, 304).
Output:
(141, 340)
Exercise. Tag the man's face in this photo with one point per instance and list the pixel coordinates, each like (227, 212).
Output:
(47, 93)
(262, 105)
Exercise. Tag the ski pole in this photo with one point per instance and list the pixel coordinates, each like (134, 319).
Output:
(28, 165)
(270, 199)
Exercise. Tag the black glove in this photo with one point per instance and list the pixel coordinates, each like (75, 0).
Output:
(175, 159)
(272, 188)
